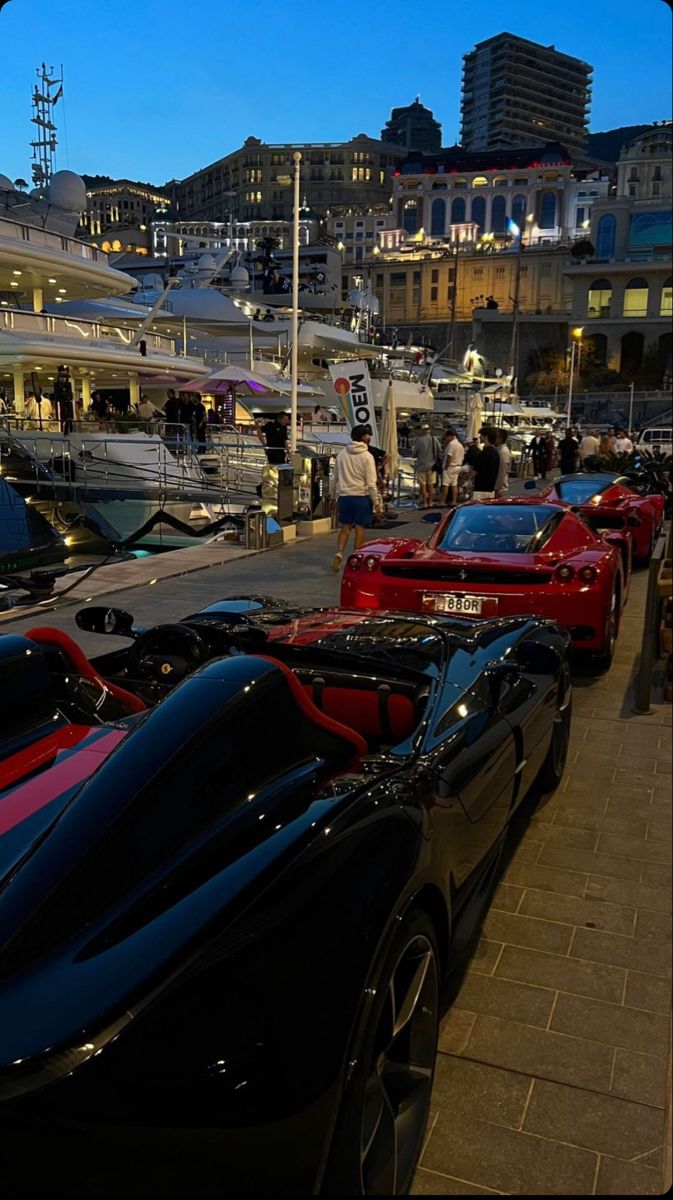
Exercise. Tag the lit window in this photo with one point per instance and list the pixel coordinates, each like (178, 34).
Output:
(666, 307)
(635, 298)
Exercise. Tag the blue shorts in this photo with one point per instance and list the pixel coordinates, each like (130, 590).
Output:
(355, 510)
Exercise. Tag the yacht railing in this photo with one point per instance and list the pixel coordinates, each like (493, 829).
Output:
(18, 231)
(68, 328)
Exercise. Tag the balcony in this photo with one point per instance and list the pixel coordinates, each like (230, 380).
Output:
(43, 238)
(52, 329)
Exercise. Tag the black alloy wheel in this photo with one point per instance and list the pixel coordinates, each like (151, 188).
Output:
(551, 771)
(380, 1130)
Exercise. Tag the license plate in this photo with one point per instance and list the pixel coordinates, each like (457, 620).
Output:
(470, 606)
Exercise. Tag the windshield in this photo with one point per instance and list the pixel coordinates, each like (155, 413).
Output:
(397, 642)
(490, 529)
(579, 490)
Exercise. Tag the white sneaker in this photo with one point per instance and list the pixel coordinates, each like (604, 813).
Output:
(336, 563)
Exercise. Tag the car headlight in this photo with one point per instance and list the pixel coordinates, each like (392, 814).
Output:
(355, 562)
(587, 574)
(371, 562)
(565, 573)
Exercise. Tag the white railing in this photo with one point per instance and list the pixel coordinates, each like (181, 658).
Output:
(10, 228)
(48, 325)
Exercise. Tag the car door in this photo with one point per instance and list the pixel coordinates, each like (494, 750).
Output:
(469, 769)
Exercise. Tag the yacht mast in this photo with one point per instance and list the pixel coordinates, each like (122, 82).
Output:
(44, 145)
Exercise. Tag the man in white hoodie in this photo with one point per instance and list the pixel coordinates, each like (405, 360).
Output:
(353, 485)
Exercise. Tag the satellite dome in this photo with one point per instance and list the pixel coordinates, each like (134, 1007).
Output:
(206, 262)
(37, 193)
(67, 190)
(6, 184)
(152, 283)
(239, 277)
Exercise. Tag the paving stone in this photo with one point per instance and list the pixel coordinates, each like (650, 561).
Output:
(504, 998)
(507, 897)
(591, 912)
(541, 1052)
(591, 862)
(570, 835)
(630, 1028)
(455, 1028)
(564, 974)
(548, 879)
(589, 760)
(485, 957)
(619, 1178)
(663, 767)
(624, 891)
(527, 931)
(604, 1123)
(638, 954)
(648, 992)
(656, 927)
(634, 848)
(658, 875)
(517, 1163)
(640, 1077)
(431, 1183)
(659, 831)
(624, 775)
(600, 822)
(472, 1089)
(526, 851)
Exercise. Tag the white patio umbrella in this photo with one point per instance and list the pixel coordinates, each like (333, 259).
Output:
(475, 409)
(389, 430)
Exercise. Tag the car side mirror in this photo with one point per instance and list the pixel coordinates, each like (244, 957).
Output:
(498, 674)
(105, 620)
(537, 658)
(530, 485)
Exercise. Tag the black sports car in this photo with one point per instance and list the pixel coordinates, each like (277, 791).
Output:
(227, 902)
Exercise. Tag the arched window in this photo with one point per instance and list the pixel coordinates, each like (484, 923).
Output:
(500, 181)
(438, 217)
(635, 297)
(598, 300)
(547, 210)
(666, 306)
(441, 186)
(479, 212)
(460, 183)
(605, 236)
(480, 181)
(410, 218)
(519, 209)
(498, 214)
(458, 210)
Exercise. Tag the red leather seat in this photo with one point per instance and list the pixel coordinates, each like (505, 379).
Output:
(373, 713)
(45, 635)
(314, 715)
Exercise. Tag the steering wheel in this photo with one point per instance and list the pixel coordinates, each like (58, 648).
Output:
(166, 654)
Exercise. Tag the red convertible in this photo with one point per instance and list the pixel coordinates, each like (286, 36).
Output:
(503, 558)
(606, 496)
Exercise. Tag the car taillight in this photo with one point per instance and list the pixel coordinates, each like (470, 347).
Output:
(587, 574)
(565, 573)
(371, 562)
(355, 562)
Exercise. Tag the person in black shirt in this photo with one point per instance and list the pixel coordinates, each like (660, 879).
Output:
(172, 408)
(569, 453)
(488, 466)
(472, 454)
(99, 406)
(274, 436)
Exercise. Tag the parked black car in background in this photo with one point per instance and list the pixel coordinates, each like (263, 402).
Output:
(227, 905)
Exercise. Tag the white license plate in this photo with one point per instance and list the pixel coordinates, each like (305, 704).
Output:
(470, 606)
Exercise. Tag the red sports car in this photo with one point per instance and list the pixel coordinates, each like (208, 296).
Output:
(503, 558)
(607, 494)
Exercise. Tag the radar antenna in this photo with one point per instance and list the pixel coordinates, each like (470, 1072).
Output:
(46, 94)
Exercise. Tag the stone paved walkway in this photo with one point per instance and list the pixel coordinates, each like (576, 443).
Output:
(552, 1071)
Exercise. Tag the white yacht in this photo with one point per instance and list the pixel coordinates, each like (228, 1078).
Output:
(43, 271)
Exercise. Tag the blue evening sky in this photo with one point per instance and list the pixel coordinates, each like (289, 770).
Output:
(159, 88)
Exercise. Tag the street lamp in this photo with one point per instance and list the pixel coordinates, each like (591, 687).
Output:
(576, 342)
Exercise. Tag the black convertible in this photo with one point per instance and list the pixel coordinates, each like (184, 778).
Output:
(237, 858)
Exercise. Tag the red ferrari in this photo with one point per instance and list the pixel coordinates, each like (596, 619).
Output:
(606, 495)
(503, 558)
